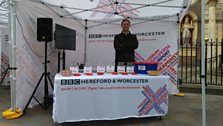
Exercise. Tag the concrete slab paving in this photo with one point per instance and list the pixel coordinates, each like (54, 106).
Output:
(183, 111)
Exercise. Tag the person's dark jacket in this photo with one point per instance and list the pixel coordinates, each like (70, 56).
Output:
(124, 47)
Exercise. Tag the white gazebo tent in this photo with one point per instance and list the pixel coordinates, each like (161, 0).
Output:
(92, 13)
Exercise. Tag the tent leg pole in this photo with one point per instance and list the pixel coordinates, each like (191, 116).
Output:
(203, 62)
(12, 56)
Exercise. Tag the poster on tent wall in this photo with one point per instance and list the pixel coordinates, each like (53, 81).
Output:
(157, 42)
(4, 49)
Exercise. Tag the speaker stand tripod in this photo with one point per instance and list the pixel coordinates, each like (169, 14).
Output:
(63, 61)
(46, 76)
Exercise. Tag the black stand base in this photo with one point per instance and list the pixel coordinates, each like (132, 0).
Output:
(47, 99)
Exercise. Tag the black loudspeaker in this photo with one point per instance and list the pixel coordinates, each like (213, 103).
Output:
(44, 29)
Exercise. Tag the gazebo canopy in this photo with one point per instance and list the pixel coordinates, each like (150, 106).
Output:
(112, 11)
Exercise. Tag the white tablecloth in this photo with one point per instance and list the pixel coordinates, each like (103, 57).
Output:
(109, 97)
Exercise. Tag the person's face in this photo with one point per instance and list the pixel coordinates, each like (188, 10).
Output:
(125, 26)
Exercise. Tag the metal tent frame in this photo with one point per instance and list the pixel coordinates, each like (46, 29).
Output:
(116, 5)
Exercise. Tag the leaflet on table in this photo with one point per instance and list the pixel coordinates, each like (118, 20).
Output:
(121, 69)
(130, 69)
(74, 69)
(87, 69)
(110, 68)
(100, 69)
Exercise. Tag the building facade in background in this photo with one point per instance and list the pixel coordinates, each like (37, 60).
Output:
(213, 21)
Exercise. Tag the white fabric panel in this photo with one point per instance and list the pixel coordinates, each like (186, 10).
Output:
(100, 49)
(5, 47)
(153, 37)
(109, 97)
(162, 39)
(30, 52)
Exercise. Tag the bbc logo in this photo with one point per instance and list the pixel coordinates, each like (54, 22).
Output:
(70, 82)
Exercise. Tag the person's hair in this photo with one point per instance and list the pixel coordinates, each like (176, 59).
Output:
(125, 20)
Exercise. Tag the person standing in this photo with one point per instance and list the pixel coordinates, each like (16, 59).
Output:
(125, 44)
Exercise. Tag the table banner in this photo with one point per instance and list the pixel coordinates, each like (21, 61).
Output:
(109, 97)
